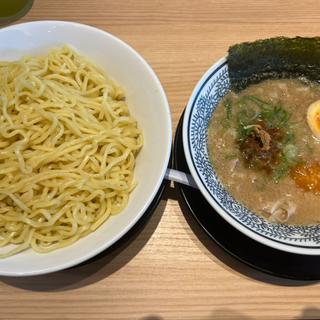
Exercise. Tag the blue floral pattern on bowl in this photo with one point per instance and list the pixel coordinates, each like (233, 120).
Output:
(212, 90)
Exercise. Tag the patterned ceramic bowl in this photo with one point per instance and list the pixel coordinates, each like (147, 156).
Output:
(201, 106)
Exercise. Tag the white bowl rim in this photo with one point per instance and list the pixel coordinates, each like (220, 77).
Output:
(165, 164)
(291, 248)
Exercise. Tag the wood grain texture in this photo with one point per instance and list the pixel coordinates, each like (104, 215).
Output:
(169, 269)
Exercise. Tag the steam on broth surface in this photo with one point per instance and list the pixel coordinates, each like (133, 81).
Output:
(264, 151)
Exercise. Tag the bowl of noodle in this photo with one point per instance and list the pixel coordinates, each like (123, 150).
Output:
(81, 116)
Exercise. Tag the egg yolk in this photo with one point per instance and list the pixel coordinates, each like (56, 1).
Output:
(307, 176)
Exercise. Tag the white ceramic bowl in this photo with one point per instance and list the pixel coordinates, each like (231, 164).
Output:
(148, 104)
(205, 97)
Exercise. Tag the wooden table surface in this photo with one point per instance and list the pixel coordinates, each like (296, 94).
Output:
(169, 269)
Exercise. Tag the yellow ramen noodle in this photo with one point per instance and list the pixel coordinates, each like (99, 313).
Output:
(67, 151)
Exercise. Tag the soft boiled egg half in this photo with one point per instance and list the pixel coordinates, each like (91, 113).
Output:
(313, 118)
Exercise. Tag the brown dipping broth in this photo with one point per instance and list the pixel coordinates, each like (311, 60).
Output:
(278, 201)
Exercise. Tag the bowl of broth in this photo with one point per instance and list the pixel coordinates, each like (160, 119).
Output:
(254, 152)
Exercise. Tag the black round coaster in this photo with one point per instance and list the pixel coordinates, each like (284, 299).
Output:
(13, 10)
(238, 245)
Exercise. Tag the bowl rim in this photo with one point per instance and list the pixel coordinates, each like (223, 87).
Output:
(167, 155)
(292, 248)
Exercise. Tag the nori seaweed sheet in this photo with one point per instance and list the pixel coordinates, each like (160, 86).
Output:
(274, 58)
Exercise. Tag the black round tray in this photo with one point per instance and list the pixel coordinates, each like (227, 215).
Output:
(238, 245)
